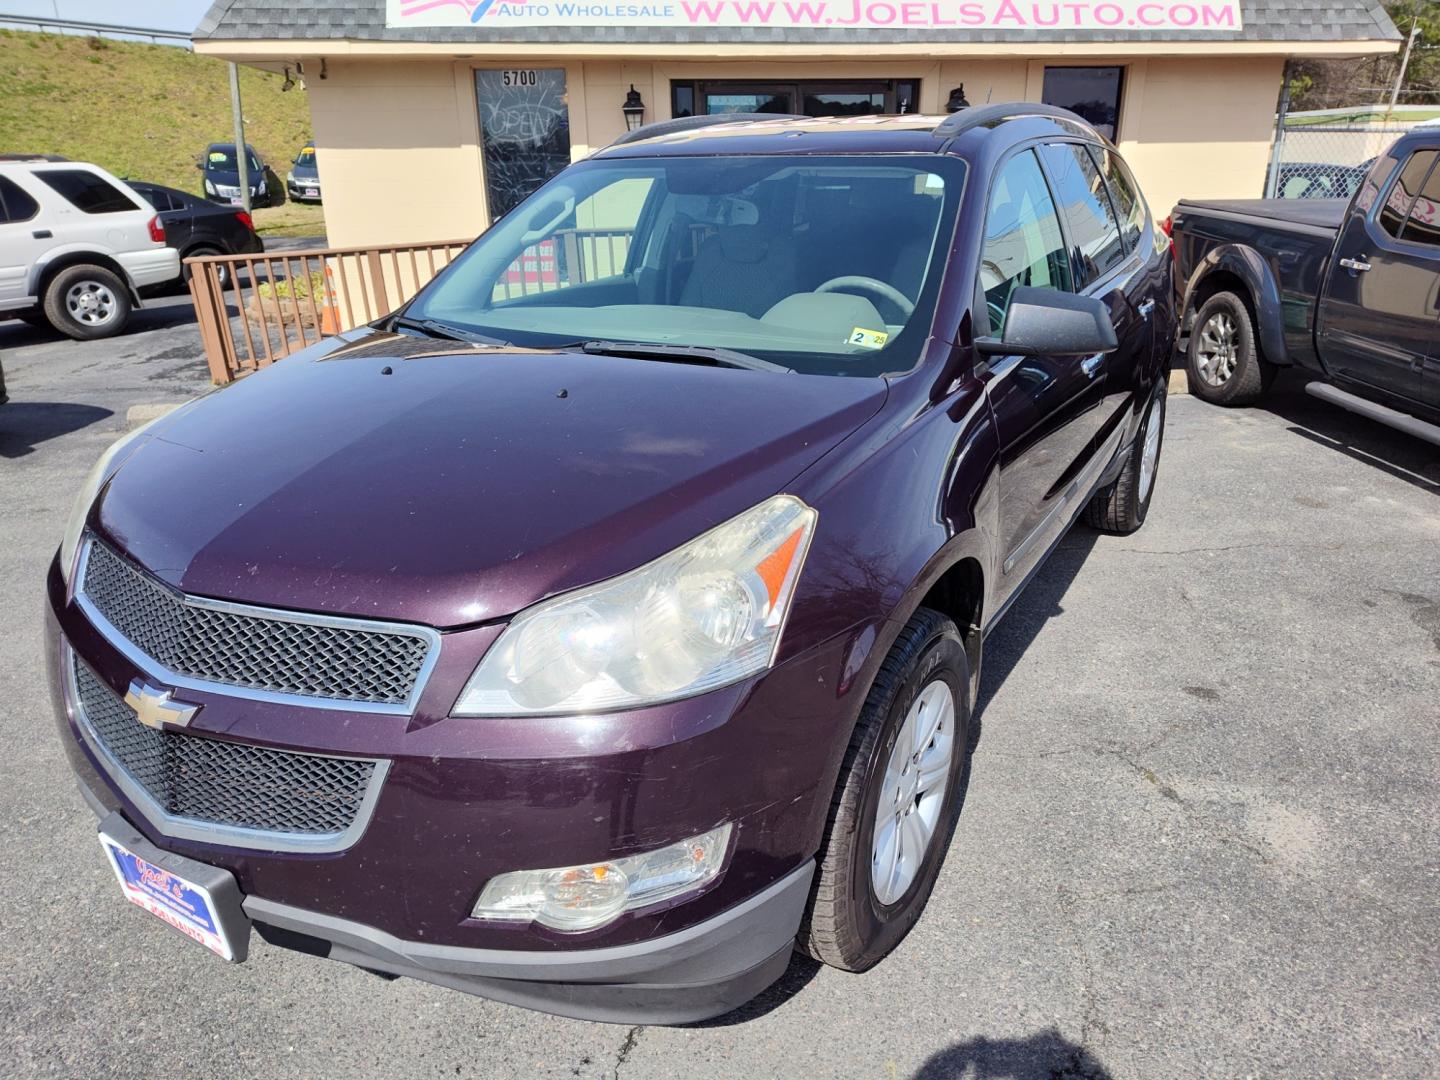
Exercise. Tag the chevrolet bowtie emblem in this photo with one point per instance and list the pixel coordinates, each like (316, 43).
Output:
(155, 708)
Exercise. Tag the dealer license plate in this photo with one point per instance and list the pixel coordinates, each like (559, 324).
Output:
(311, 192)
(182, 904)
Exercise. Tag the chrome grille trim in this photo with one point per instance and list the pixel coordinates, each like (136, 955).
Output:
(221, 618)
(181, 827)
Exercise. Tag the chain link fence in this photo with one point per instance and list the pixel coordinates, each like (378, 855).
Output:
(1326, 156)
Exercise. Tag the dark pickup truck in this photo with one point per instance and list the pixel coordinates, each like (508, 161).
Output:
(1346, 291)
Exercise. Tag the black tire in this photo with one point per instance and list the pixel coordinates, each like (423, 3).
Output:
(846, 925)
(1121, 507)
(1251, 375)
(58, 308)
(202, 250)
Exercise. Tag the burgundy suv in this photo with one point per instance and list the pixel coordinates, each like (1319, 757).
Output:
(606, 624)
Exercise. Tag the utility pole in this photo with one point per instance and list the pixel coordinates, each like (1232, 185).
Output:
(242, 158)
(1405, 60)
(1277, 146)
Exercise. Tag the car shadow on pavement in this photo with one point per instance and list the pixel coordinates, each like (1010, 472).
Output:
(1403, 456)
(1037, 604)
(797, 976)
(26, 424)
(160, 313)
(1046, 1055)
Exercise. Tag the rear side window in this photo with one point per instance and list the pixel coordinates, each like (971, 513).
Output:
(1023, 243)
(88, 192)
(15, 203)
(1124, 194)
(1396, 207)
(1095, 244)
(160, 200)
(1423, 224)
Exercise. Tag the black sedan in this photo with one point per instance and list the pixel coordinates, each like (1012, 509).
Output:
(194, 226)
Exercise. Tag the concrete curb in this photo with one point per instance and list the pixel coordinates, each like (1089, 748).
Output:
(136, 415)
(1178, 383)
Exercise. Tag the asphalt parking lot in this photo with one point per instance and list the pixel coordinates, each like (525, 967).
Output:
(1200, 839)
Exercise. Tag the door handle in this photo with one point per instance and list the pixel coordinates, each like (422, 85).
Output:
(1146, 309)
(1091, 365)
(42, 234)
(1358, 266)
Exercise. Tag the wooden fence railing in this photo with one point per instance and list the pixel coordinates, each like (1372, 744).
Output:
(255, 309)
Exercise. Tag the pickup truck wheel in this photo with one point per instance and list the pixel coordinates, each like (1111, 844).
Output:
(86, 302)
(899, 794)
(1121, 508)
(1223, 363)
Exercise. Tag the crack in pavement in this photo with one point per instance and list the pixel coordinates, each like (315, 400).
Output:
(631, 1038)
(1277, 544)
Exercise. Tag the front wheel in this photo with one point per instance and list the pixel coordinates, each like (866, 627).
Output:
(895, 806)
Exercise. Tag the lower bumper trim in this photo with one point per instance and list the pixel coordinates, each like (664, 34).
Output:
(693, 974)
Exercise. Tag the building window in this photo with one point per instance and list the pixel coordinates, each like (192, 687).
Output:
(864, 97)
(524, 131)
(1092, 92)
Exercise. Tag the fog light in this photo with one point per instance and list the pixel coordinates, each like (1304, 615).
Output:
(584, 897)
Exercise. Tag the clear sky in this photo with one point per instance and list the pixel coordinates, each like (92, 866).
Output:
(161, 14)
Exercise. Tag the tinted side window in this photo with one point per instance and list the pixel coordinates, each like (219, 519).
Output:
(1402, 193)
(1124, 194)
(86, 191)
(1023, 245)
(1423, 224)
(15, 203)
(1094, 234)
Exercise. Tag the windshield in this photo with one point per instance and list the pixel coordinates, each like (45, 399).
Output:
(306, 158)
(828, 265)
(222, 159)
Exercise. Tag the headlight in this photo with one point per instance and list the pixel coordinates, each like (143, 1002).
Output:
(290, 177)
(584, 897)
(210, 187)
(704, 616)
(261, 187)
(110, 461)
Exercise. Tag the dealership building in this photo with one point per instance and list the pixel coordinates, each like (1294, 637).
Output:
(431, 117)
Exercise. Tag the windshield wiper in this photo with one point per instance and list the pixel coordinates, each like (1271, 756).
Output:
(438, 329)
(684, 354)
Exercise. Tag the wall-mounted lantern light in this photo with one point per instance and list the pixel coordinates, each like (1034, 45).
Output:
(634, 109)
(957, 100)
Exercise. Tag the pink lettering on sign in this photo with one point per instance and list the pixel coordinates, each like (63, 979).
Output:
(1054, 16)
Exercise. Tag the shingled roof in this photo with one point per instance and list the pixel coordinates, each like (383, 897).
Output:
(364, 20)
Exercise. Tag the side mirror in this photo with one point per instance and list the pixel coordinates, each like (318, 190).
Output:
(1044, 322)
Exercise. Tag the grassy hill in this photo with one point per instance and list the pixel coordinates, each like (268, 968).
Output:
(144, 111)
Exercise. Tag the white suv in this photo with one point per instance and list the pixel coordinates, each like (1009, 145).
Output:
(76, 246)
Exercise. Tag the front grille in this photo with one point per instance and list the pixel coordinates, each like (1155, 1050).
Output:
(310, 658)
(224, 783)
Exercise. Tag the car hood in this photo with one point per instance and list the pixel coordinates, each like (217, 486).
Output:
(231, 178)
(404, 478)
(305, 172)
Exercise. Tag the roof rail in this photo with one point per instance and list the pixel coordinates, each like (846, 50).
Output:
(690, 123)
(962, 121)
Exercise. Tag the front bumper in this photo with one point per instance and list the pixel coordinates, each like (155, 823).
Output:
(464, 800)
(693, 974)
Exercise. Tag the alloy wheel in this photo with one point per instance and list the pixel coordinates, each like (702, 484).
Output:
(1218, 353)
(916, 777)
(90, 302)
(1150, 453)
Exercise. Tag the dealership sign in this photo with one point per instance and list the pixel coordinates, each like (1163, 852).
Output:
(1119, 16)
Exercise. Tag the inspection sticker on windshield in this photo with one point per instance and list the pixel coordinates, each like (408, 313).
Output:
(868, 339)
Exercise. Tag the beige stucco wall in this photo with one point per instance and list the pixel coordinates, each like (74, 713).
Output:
(398, 139)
